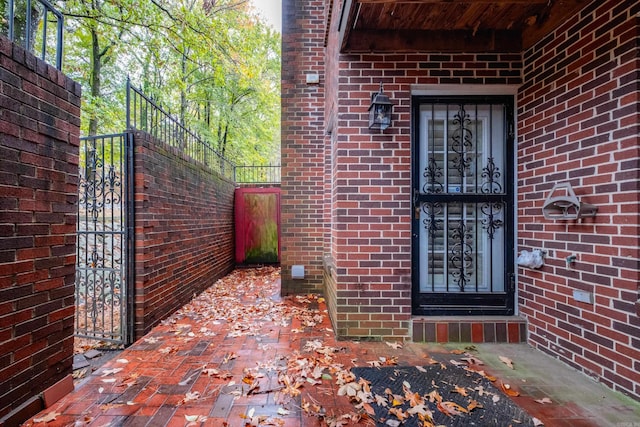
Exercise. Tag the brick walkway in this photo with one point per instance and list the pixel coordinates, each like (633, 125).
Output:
(239, 354)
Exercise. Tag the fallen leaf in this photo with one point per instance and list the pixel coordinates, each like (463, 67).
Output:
(399, 414)
(451, 409)
(431, 361)
(460, 390)
(506, 361)
(228, 358)
(86, 419)
(394, 345)
(544, 400)
(473, 405)
(421, 369)
(249, 414)
(414, 399)
(78, 374)
(434, 396)
(167, 350)
(456, 351)
(420, 409)
(190, 397)
(106, 372)
(481, 391)
(350, 389)
(122, 361)
(472, 360)
(506, 388)
(283, 412)
(381, 400)
(537, 422)
(51, 416)
(210, 371)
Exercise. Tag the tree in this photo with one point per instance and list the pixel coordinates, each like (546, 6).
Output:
(210, 63)
(19, 12)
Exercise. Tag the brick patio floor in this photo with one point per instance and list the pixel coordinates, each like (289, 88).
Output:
(216, 362)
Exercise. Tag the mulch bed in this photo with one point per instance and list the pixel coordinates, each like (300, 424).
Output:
(484, 403)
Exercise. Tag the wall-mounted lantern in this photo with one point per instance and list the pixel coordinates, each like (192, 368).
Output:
(380, 110)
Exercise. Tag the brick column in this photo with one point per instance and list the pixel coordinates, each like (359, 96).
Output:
(302, 144)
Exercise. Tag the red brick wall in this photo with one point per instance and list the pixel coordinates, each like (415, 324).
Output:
(184, 231)
(303, 133)
(367, 230)
(371, 232)
(578, 121)
(39, 139)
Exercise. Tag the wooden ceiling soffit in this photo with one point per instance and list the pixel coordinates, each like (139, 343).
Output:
(451, 1)
(360, 41)
(347, 15)
(551, 14)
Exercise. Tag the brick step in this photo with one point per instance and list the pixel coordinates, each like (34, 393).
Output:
(475, 329)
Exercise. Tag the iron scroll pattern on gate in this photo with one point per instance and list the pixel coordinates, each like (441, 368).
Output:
(460, 257)
(100, 244)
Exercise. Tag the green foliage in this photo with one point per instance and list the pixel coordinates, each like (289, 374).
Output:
(212, 64)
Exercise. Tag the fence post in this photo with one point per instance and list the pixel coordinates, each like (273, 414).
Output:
(128, 102)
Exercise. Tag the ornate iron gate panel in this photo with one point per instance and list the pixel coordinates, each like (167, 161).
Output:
(463, 205)
(104, 239)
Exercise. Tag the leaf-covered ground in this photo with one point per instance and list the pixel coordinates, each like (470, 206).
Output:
(240, 355)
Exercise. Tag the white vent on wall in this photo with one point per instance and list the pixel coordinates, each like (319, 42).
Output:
(297, 271)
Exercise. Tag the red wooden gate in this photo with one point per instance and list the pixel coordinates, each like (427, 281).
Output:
(257, 222)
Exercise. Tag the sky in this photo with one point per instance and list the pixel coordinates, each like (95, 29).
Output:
(271, 10)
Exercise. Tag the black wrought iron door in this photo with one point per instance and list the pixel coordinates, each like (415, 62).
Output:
(463, 205)
(104, 239)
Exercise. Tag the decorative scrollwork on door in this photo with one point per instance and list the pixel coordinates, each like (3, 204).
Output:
(461, 255)
(491, 173)
(433, 174)
(490, 222)
(461, 142)
(432, 223)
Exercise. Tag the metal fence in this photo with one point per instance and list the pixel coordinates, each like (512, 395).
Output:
(257, 174)
(28, 24)
(145, 115)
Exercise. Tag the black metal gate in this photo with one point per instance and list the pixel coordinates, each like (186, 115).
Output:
(463, 205)
(104, 273)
